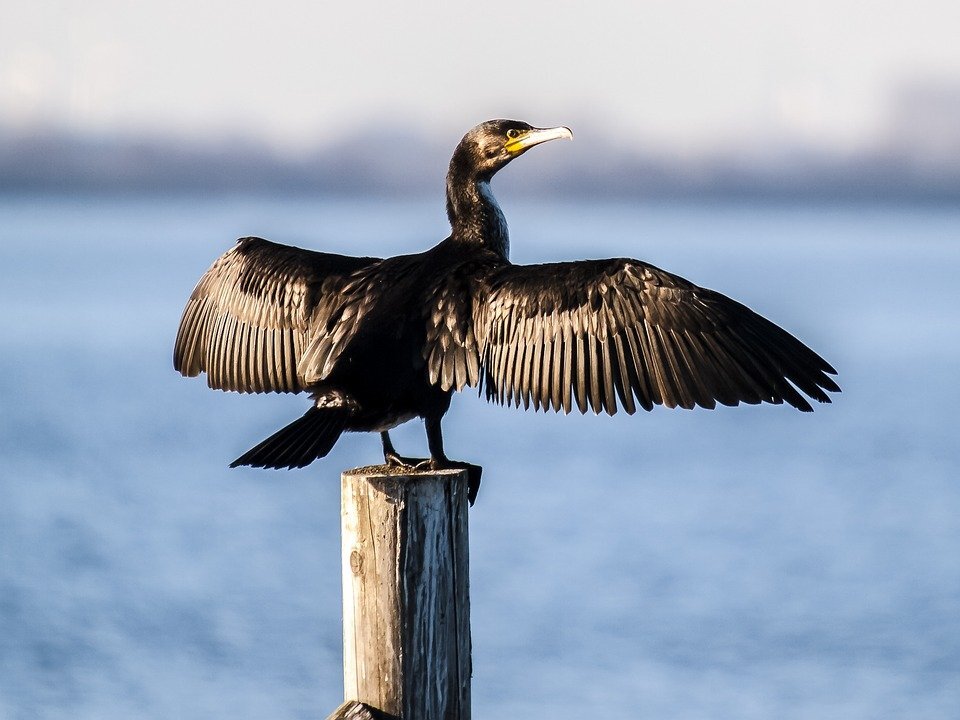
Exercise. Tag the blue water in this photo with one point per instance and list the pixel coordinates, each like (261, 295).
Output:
(743, 563)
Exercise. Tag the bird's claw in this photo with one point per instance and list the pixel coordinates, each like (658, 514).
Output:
(409, 463)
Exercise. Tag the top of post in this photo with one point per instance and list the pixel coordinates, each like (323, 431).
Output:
(388, 473)
(393, 471)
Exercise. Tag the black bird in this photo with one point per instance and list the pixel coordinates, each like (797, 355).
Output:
(377, 342)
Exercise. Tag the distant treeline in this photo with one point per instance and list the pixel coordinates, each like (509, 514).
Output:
(408, 165)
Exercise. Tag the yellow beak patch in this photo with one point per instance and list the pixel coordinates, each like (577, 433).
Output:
(527, 140)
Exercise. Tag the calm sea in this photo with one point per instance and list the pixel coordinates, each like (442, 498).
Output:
(747, 563)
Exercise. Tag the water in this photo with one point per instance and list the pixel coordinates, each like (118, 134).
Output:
(743, 563)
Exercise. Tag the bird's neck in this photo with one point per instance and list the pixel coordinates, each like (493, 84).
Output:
(475, 216)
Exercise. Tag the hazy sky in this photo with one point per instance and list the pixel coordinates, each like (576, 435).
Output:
(682, 72)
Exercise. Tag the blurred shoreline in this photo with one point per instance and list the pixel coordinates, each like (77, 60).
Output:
(402, 163)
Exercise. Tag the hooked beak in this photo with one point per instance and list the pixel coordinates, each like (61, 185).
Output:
(536, 136)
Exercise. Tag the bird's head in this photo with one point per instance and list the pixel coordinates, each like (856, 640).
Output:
(491, 145)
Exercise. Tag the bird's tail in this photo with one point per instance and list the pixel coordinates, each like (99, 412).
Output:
(299, 443)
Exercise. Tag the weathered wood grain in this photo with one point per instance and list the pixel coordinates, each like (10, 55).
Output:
(406, 603)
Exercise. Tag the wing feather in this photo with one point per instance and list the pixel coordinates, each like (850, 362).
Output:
(622, 379)
(640, 375)
(651, 363)
(609, 372)
(532, 375)
(566, 376)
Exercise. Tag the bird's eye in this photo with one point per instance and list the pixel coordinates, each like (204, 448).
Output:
(512, 133)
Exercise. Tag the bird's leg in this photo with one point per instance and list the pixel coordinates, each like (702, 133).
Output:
(435, 442)
(389, 451)
(390, 456)
(439, 461)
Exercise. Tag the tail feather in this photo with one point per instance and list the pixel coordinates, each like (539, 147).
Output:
(299, 443)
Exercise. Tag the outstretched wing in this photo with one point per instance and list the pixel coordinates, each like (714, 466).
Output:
(255, 312)
(596, 333)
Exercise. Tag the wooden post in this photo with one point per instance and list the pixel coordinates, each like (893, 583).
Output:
(406, 602)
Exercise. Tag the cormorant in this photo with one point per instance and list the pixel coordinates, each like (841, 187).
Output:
(377, 342)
